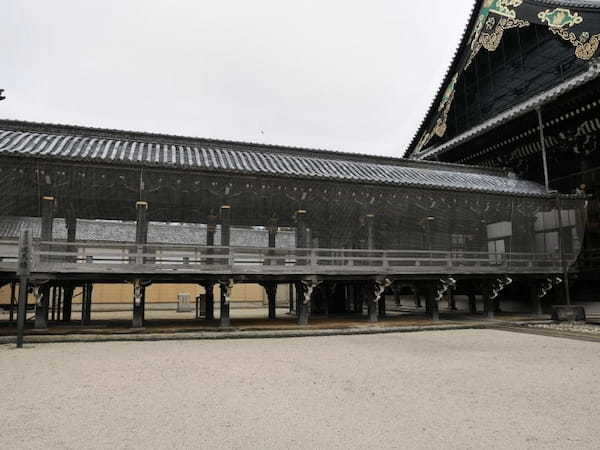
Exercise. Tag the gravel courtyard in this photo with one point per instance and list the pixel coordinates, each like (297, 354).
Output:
(447, 389)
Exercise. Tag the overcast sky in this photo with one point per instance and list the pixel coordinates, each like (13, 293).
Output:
(345, 75)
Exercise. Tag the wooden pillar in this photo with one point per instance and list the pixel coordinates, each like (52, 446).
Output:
(301, 234)
(225, 288)
(210, 299)
(41, 306)
(397, 299)
(534, 298)
(472, 303)
(83, 303)
(291, 297)
(138, 304)
(418, 304)
(489, 303)
(141, 231)
(43, 298)
(22, 310)
(272, 230)
(451, 300)
(225, 225)
(13, 301)
(325, 292)
(211, 228)
(141, 239)
(271, 290)
(86, 304)
(67, 301)
(71, 223)
(141, 224)
(225, 232)
(431, 302)
(382, 307)
(372, 307)
(59, 303)
(350, 298)
(370, 219)
(305, 292)
(47, 218)
(53, 298)
(359, 292)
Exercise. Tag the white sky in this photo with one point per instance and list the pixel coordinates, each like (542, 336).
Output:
(347, 75)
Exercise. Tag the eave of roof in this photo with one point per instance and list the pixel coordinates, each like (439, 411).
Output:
(516, 111)
(205, 155)
(455, 61)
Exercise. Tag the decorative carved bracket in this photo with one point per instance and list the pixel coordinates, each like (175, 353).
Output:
(227, 287)
(499, 285)
(308, 286)
(138, 290)
(444, 285)
(548, 284)
(379, 288)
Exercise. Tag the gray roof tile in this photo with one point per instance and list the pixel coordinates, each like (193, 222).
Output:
(123, 148)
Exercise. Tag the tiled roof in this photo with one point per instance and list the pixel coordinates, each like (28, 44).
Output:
(514, 112)
(124, 148)
(158, 233)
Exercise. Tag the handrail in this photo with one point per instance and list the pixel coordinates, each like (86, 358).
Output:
(71, 256)
(196, 247)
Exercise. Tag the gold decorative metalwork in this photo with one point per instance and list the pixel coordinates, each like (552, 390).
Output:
(495, 17)
(423, 141)
(491, 41)
(560, 18)
(585, 46)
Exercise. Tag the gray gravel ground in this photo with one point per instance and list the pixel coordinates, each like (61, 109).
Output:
(451, 389)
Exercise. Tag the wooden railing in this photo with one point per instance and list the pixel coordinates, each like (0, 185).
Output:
(118, 257)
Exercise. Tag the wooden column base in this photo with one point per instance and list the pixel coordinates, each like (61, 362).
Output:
(41, 310)
(373, 313)
(536, 301)
(138, 312)
(472, 304)
(382, 307)
(271, 290)
(490, 306)
(431, 303)
(225, 321)
(303, 313)
(210, 300)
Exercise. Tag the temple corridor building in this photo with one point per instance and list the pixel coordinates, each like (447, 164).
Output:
(106, 206)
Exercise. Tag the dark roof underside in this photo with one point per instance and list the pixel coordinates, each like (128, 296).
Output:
(564, 33)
